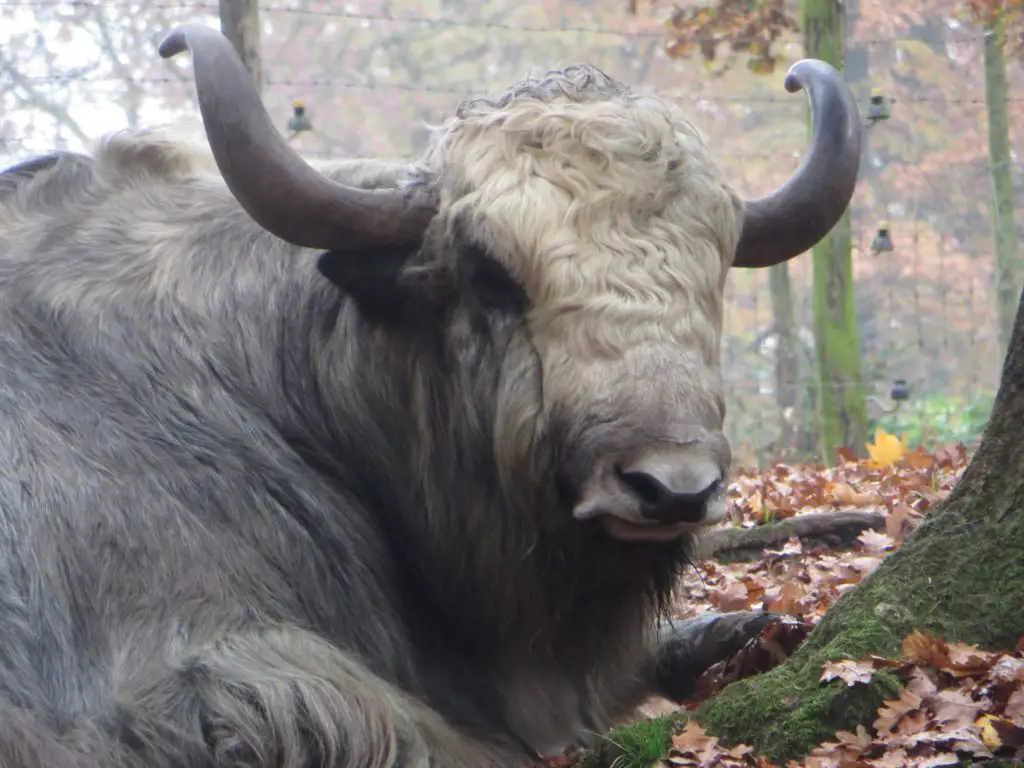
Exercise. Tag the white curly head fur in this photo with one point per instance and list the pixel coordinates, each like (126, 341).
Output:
(609, 210)
(606, 205)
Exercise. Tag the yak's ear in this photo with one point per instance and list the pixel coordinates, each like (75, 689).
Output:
(388, 285)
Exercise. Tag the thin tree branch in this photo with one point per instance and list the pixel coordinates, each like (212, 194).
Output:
(35, 99)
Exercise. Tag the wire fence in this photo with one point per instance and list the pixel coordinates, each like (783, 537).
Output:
(373, 80)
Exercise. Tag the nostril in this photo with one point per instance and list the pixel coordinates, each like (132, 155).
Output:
(646, 488)
(710, 491)
(660, 501)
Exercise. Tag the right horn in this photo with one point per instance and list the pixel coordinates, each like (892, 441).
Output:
(793, 218)
(275, 186)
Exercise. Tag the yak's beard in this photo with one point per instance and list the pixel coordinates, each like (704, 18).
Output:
(502, 562)
(572, 582)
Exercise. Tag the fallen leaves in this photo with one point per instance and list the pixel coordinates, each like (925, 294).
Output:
(792, 579)
(893, 481)
(958, 701)
(805, 579)
(694, 748)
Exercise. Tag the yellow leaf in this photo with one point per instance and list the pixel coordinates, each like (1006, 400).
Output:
(886, 450)
(989, 734)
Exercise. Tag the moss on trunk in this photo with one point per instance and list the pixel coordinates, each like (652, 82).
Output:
(959, 575)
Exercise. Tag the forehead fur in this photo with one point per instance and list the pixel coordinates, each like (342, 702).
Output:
(600, 201)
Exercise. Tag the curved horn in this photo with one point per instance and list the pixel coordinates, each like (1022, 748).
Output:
(802, 211)
(275, 186)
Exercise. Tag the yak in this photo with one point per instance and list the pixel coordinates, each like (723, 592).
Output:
(371, 463)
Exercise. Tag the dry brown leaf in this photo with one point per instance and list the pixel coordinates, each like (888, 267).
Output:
(1015, 705)
(944, 758)
(926, 648)
(920, 681)
(787, 599)
(846, 456)
(892, 711)
(968, 661)
(1008, 669)
(851, 672)
(918, 458)
(734, 597)
(692, 737)
(844, 494)
(755, 588)
(876, 542)
(900, 521)
(955, 708)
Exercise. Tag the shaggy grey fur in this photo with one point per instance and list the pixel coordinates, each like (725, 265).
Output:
(248, 519)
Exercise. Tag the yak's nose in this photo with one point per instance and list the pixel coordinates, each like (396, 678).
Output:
(671, 488)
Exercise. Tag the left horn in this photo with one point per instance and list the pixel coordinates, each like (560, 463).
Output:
(275, 186)
(801, 212)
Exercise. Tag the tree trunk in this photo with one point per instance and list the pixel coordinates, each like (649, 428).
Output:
(1004, 232)
(843, 413)
(240, 23)
(960, 575)
(786, 362)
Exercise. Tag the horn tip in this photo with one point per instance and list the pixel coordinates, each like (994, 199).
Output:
(175, 42)
(797, 76)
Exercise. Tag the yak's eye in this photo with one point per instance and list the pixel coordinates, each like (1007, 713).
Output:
(488, 283)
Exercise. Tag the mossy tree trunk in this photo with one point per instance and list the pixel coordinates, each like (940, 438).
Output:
(1004, 232)
(959, 575)
(843, 412)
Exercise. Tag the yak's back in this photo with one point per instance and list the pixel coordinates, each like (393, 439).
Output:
(42, 185)
(45, 182)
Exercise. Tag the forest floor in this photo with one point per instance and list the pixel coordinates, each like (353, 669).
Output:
(959, 702)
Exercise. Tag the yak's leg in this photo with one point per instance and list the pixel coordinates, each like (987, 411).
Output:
(667, 663)
(686, 649)
(286, 698)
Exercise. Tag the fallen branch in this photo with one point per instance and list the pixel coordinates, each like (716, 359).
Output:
(831, 530)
